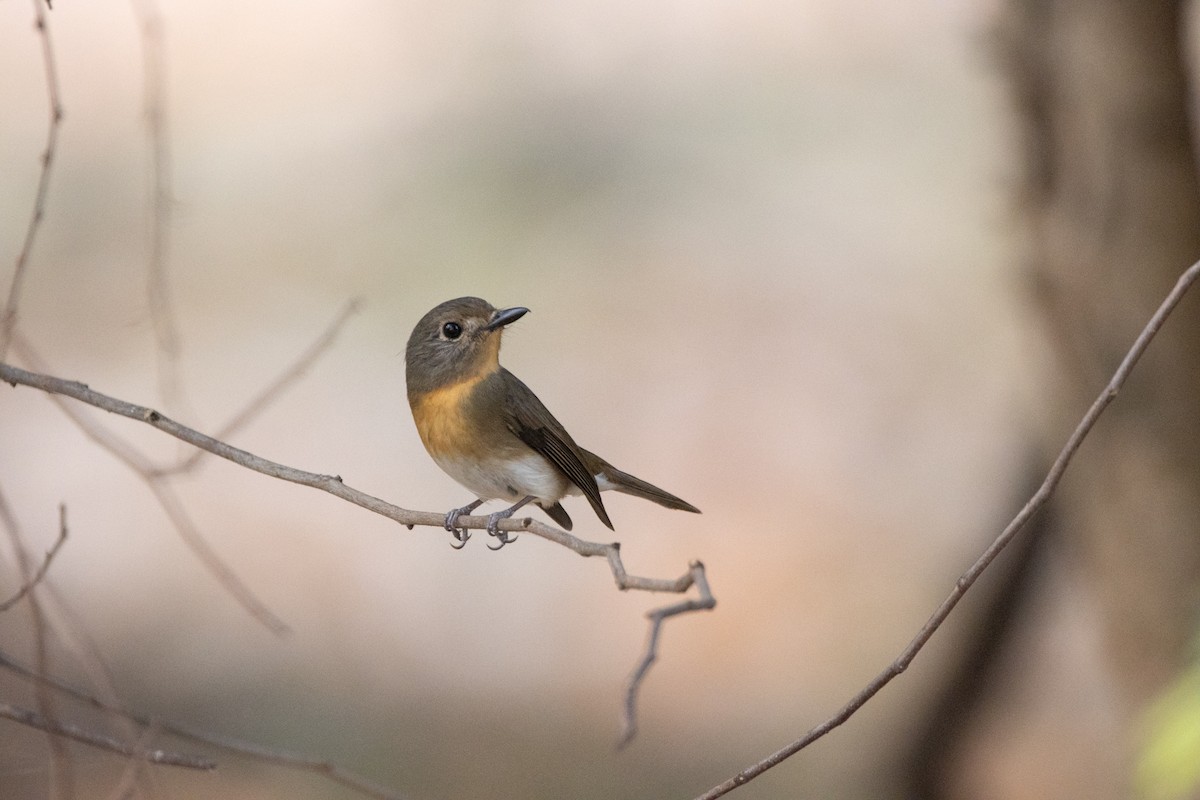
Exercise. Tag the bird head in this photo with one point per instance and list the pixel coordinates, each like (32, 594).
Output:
(456, 341)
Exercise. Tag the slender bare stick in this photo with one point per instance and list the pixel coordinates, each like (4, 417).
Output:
(330, 771)
(158, 289)
(705, 601)
(968, 578)
(41, 572)
(8, 317)
(204, 552)
(69, 731)
(334, 485)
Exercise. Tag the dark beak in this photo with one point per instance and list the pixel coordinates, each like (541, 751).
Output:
(504, 316)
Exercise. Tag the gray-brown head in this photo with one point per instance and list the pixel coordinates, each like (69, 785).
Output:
(456, 341)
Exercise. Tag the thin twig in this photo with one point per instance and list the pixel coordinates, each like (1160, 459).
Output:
(66, 730)
(158, 289)
(329, 770)
(41, 572)
(705, 601)
(968, 578)
(333, 485)
(8, 317)
(204, 552)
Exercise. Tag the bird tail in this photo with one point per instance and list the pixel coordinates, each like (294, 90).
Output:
(620, 481)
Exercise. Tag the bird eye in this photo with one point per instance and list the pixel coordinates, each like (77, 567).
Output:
(452, 330)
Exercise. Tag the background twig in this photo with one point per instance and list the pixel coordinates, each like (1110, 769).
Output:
(331, 771)
(158, 289)
(8, 316)
(62, 776)
(968, 578)
(272, 391)
(68, 731)
(27, 585)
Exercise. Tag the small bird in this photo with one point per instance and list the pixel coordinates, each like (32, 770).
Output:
(490, 432)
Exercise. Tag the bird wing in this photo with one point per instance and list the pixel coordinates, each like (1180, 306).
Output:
(533, 424)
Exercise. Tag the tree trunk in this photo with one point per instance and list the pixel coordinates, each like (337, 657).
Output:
(1109, 196)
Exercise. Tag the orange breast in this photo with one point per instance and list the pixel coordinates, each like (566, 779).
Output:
(441, 423)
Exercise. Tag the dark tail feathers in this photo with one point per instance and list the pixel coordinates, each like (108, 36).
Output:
(626, 483)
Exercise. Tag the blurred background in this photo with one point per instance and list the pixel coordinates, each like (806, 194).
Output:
(844, 275)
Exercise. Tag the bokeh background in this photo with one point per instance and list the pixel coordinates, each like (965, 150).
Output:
(771, 252)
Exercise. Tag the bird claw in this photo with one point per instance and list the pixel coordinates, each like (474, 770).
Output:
(501, 536)
(451, 524)
(462, 534)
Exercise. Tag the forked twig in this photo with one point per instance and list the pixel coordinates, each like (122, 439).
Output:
(968, 578)
(41, 571)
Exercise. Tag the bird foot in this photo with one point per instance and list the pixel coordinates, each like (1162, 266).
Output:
(501, 536)
(451, 524)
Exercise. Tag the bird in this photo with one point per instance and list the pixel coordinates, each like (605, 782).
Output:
(488, 430)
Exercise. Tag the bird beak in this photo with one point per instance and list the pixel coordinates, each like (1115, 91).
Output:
(504, 316)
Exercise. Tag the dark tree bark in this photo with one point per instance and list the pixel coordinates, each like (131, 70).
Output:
(1112, 203)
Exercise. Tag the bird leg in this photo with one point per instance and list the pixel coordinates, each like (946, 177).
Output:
(494, 520)
(451, 523)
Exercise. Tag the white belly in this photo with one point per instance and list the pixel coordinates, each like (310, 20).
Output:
(510, 480)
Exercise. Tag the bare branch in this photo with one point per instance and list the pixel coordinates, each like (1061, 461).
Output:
(334, 485)
(66, 730)
(41, 572)
(8, 317)
(968, 578)
(330, 771)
